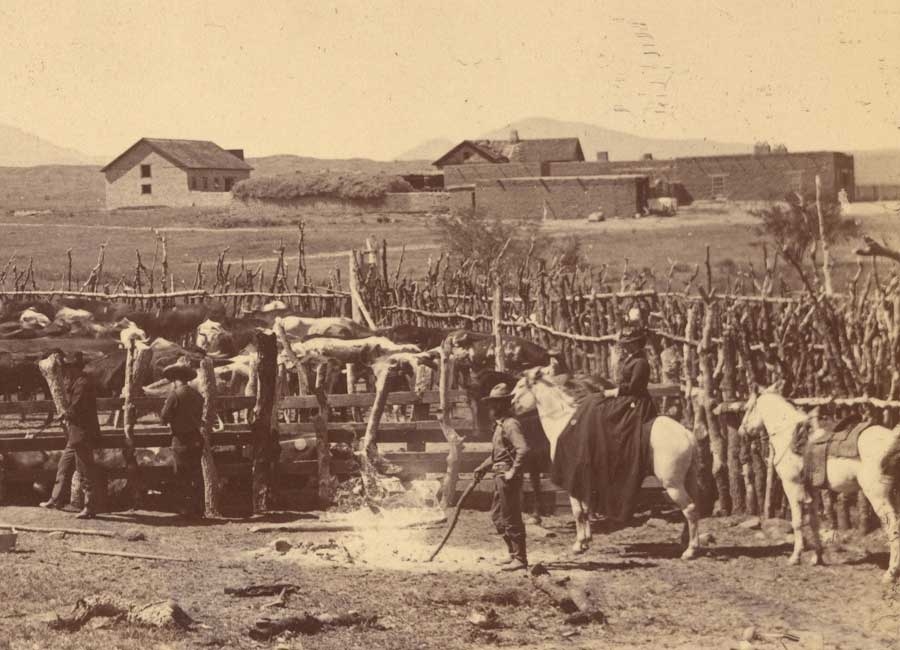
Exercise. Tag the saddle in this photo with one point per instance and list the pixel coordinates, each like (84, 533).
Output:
(839, 441)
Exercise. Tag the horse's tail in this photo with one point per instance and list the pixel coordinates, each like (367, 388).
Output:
(890, 464)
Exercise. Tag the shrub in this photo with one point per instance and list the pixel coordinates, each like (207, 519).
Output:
(480, 237)
(795, 228)
(350, 186)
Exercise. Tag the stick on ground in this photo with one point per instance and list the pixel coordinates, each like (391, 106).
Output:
(137, 556)
(67, 531)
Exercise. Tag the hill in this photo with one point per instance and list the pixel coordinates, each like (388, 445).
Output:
(429, 150)
(61, 187)
(21, 149)
(621, 146)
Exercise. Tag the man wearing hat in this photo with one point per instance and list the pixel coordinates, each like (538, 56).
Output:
(82, 432)
(183, 412)
(510, 449)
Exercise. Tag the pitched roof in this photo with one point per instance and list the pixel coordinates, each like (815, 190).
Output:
(533, 150)
(189, 154)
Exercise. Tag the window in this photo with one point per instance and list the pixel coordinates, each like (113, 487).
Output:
(193, 183)
(216, 183)
(205, 183)
(146, 189)
(718, 185)
(229, 183)
(145, 171)
(795, 182)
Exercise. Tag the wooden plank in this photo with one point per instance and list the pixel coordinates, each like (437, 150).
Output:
(367, 399)
(223, 403)
(307, 428)
(115, 439)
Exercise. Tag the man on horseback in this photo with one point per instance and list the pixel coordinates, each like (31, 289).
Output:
(506, 462)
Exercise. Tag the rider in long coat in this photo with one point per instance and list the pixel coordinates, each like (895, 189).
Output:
(603, 455)
(633, 405)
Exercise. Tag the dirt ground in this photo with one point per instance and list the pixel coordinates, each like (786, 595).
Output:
(650, 598)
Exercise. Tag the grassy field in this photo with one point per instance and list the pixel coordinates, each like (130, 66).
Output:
(200, 234)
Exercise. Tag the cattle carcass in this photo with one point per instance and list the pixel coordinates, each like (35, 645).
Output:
(176, 323)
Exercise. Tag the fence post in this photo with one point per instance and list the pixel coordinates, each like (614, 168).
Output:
(263, 442)
(453, 438)
(496, 317)
(137, 365)
(207, 386)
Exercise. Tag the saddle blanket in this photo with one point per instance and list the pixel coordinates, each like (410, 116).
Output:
(839, 442)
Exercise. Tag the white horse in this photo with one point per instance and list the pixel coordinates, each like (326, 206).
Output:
(876, 472)
(673, 451)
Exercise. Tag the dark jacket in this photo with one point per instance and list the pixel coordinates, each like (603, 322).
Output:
(509, 447)
(183, 412)
(634, 376)
(81, 415)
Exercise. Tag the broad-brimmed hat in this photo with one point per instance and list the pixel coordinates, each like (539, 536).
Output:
(180, 371)
(75, 358)
(633, 336)
(51, 352)
(499, 393)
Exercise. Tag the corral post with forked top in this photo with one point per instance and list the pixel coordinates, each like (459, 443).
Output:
(207, 385)
(137, 368)
(265, 443)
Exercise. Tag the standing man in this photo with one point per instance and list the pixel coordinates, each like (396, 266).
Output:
(183, 412)
(82, 433)
(508, 455)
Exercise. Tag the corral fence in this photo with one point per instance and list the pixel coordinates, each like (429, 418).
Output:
(840, 351)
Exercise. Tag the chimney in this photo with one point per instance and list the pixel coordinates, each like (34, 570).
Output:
(514, 136)
(603, 156)
(647, 156)
(237, 153)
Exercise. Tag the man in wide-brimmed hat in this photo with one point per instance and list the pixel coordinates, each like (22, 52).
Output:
(508, 454)
(82, 433)
(183, 412)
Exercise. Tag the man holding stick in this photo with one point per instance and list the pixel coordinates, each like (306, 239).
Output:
(82, 433)
(509, 452)
(183, 412)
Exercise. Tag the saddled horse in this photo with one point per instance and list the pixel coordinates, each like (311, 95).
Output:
(876, 472)
(673, 451)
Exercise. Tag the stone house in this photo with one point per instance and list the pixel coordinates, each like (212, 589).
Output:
(163, 172)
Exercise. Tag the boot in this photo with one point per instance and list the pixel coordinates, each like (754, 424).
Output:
(86, 514)
(50, 504)
(520, 557)
(510, 557)
(515, 565)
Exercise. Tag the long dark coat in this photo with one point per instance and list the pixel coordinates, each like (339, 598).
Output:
(82, 423)
(604, 454)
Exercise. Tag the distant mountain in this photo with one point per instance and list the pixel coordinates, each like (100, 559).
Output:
(288, 164)
(21, 149)
(429, 150)
(619, 145)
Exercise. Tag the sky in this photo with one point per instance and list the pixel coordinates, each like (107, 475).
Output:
(374, 79)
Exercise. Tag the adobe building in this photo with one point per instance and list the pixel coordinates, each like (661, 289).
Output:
(512, 179)
(764, 175)
(161, 172)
